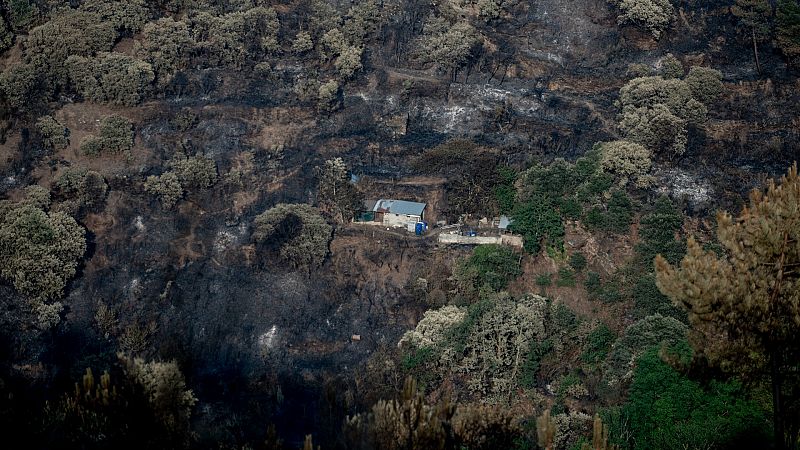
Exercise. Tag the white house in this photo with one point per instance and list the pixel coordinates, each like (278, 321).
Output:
(396, 213)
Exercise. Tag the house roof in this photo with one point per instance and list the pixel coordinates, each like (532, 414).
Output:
(399, 207)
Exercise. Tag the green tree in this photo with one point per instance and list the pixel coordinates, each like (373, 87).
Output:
(54, 134)
(493, 266)
(22, 13)
(296, 231)
(449, 47)
(6, 36)
(666, 410)
(652, 15)
(751, 296)
(788, 29)
(39, 251)
(754, 20)
(111, 78)
(337, 197)
(539, 222)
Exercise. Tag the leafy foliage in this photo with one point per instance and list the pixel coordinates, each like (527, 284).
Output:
(598, 344)
(652, 15)
(39, 251)
(787, 18)
(751, 293)
(667, 410)
(493, 266)
(297, 231)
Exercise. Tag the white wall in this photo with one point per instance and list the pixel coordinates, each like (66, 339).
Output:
(398, 220)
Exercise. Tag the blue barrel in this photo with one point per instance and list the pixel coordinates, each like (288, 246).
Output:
(419, 229)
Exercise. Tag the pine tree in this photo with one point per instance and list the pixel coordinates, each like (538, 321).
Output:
(754, 18)
(745, 304)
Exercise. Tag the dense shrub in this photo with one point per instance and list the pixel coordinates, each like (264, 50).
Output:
(71, 33)
(566, 277)
(667, 410)
(658, 235)
(671, 67)
(616, 217)
(493, 266)
(652, 15)
(577, 261)
(166, 45)
(54, 134)
(86, 188)
(6, 36)
(628, 161)
(328, 96)
(22, 13)
(655, 330)
(23, 84)
(598, 344)
(111, 78)
(648, 300)
(302, 42)
(39, 251)
(165, 389)
(166, 186)
(297, 231)
(539, 222)
(447, 46)
(194, 172)
(657, 111)
(787, 18)
(127, 16)
(705, 83)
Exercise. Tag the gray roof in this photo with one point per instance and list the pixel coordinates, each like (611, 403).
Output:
(400, 207)
(505, 222)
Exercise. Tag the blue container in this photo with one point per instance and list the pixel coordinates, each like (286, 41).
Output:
(420, 228)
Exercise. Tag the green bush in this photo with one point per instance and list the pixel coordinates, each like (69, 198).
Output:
(658, 232)
(505, 192)
(656, 113)
(39, 251)
(494, 265)
(166, 186)
(77, 33)
(22, 13)
(577, 261)
(297, 231)
(566, 277)
(539, 223)
(652, 15)
(530, 370)
(111, 78)
(667, 410)
(564, 319)
(86, 187)
(6, 36)
(705, 83)
(616, 217)
(194, 172)
(648, 300)
(544, 279)
(671, 67)
(116, 136)
(54, 134)
(126, 16)
(598, 344)
(627, 161)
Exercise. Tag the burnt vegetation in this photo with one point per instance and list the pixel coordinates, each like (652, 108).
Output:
(187, 259)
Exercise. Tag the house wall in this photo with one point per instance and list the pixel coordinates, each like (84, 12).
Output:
(398, 220)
